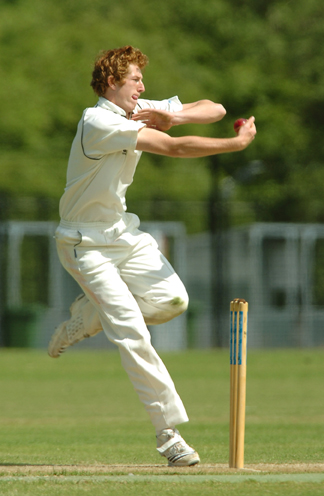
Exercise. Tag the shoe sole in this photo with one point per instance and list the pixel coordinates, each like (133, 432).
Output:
(182, 462)
(52, 345)
(190, 464)
(53, 350)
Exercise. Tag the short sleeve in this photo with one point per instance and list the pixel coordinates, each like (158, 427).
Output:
(105, 132)
(172, 104)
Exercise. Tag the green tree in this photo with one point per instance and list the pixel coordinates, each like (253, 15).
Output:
(257, 58)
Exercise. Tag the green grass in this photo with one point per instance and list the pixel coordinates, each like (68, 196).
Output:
(63, 488)
(82, 410)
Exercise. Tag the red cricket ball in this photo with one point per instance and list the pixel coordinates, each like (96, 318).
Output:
(238, 123)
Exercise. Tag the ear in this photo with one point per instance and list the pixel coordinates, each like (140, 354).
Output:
(111, 82)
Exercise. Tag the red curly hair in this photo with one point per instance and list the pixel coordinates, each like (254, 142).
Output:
(115, 63)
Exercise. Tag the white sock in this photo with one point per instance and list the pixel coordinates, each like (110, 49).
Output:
(159, 432)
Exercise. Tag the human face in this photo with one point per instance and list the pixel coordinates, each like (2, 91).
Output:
(126, 94)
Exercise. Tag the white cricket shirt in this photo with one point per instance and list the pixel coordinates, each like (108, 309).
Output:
(103, 161)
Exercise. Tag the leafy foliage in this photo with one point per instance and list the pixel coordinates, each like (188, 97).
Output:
(257, 58)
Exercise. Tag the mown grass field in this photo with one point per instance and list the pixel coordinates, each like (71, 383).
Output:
(75, 425)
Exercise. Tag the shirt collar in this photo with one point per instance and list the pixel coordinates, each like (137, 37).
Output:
(108, 105)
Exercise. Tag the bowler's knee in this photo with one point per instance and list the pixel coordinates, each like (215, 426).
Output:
(176, 306)
(169, 309)
(179, 304)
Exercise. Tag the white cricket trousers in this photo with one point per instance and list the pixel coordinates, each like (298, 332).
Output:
(128, 284)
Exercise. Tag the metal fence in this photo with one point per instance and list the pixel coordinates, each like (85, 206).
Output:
(277, 268)
(36, 292)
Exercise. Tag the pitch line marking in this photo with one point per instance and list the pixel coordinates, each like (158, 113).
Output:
(233, 479)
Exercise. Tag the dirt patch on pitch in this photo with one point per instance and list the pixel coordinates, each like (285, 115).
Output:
(202, 469)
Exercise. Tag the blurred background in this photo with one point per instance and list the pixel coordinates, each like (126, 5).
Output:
(247, 225)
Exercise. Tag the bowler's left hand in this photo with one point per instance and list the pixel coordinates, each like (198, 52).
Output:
(154, 118)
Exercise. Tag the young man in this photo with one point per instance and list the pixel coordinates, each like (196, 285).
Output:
(127, 283)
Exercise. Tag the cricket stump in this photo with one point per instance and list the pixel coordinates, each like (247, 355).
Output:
(238, 352)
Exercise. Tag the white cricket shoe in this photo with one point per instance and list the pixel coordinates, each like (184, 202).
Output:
(69, 332)
(175, 449)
